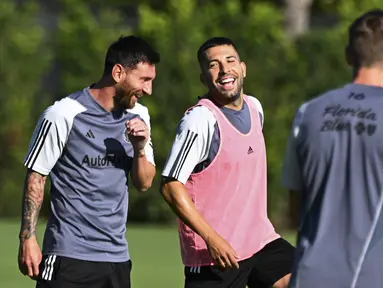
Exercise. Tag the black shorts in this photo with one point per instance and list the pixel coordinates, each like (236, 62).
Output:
(261, 270)
(63, 272)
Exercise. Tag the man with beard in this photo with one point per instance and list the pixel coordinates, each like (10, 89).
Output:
(88, 143)
(215, 181)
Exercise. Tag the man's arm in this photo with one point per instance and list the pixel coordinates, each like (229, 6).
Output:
(29, 257)
(178, 199)
(143, 167)
(32, 200)
(45, 148)
(142, 172)
(176, 195)
(191, 147)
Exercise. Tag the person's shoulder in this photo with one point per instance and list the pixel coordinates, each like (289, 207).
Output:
(198, 119)
(312, 107)
(142, 111)
(198, 115)
(319, 100)
(64, 109)
(139, 109)
(326, 97)
(256, 101)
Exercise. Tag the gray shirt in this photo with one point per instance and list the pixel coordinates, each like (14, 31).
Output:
(334, 158)
(83, 149)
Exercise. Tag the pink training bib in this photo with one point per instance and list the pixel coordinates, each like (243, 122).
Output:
(231, 193)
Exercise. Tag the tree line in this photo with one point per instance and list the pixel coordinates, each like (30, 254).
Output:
(40, 64)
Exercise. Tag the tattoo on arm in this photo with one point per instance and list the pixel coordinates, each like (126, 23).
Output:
(32, 201)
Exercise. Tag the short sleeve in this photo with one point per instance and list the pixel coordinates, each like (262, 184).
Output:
(292, 177)
(51, 134)
(259, 108)
(191, 145)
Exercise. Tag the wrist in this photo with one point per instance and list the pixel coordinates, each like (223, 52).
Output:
(208, 235)
(23, 237)
(139, 153)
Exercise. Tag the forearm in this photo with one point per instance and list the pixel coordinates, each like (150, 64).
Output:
(32, 201)
(142, 172)
(178, 199)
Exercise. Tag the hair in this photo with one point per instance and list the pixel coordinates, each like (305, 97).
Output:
(213, 42)
(129, 51)
(365, 46)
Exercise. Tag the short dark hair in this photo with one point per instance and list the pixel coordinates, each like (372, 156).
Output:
(129, 51)
(213, 42)
(365, 44)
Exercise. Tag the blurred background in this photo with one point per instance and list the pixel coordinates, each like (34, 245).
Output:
(294, 50)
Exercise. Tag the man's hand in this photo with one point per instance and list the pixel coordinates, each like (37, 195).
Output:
(222, 253)
(29, 257)
(138, 133)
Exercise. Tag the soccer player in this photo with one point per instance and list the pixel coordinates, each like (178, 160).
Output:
(215, 181)
(334, 164)
(88, 143)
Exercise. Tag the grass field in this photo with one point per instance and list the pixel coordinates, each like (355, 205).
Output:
(154, 252)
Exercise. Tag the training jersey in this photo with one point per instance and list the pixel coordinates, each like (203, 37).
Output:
(84, 150)
(230, 191)
(334, 158)
(197, 138)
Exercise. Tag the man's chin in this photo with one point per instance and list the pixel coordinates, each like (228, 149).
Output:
(129, 105)
(231, 96)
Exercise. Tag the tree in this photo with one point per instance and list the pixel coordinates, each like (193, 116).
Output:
(178, 33)
(297, 14)
(23, 41)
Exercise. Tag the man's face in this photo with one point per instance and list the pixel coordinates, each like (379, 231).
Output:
(133, 84)
(223, 73)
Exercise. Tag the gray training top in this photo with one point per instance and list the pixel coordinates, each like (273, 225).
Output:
(335, 159)
(84, 150)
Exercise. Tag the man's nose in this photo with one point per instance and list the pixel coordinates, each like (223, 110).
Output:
(148, 88)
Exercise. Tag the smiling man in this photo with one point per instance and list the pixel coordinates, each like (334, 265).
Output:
(215, 181)
(88, 143)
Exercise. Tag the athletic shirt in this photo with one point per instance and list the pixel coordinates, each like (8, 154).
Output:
(84, 150)
(198, 138)
(237, 210)
(334, 158)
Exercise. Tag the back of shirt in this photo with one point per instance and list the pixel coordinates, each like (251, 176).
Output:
(335, 159)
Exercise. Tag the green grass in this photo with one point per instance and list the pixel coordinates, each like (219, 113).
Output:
(154, 251)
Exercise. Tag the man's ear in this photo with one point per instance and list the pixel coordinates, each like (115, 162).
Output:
(243, 67)
(117, 72)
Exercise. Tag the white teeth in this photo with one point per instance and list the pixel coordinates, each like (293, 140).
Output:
(227, 80)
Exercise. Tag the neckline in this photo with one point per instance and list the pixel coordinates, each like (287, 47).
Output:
(227, 120)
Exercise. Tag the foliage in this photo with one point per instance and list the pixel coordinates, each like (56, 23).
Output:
(280, 73)
(24, 56)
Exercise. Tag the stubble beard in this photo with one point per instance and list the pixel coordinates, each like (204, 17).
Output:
(123, 99)
(233, 97)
